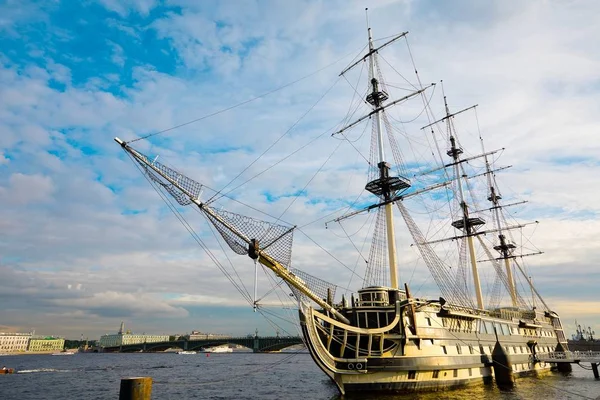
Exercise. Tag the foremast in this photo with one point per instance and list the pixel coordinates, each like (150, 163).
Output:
(386, 187)
(382, 186)
(253, 249)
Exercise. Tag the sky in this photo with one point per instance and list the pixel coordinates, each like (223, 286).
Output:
(86, 243)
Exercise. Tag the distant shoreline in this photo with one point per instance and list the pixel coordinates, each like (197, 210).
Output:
(24, 353)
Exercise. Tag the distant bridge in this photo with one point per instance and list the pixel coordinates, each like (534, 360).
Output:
(257, 344)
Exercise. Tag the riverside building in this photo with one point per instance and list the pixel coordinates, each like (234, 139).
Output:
(124, 337)
(14, 342)
(46, 344)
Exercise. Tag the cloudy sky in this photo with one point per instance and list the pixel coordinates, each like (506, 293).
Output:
(86, 243)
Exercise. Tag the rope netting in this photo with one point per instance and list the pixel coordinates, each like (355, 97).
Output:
(188, 185)
(273, 239)
(316, 285)
(237, 230)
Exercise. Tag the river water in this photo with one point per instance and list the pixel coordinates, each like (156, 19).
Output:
(234, 376)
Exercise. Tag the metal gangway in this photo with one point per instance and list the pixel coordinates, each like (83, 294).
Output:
(573, 357)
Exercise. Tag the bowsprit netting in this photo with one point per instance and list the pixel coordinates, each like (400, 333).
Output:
(318, 286)
(190, 186)
(273, 239)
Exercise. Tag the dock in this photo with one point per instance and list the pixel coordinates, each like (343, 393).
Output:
(572, 357)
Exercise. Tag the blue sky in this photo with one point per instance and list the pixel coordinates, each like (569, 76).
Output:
(86, 243)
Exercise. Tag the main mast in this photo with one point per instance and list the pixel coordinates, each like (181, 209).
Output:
(467, 224)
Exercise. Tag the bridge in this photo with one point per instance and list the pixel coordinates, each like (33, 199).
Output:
(256, 343)
(573, 357)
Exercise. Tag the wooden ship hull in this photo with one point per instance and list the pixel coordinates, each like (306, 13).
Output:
(413, 345)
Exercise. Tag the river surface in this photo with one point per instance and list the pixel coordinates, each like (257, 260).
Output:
(234, 376)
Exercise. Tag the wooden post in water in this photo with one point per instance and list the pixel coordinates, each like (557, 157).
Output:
(595, 369)
(138, 388)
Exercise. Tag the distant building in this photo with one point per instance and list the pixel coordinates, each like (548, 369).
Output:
(46, 344)
(197, 335)
(14, 342)
(126, 337)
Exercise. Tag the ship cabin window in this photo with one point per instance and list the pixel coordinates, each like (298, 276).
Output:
(436, 374)
(444, 350)
(489, 327)
(412, 374)
(375, 298)
(455, 373)
(514, 350)
(428, 320)
(470, 371)
(458, 349)
(471, 350)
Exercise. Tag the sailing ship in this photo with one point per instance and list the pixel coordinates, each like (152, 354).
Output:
(383, 338)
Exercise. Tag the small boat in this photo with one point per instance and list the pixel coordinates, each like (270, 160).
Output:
(218, 349)
(64, 353)
(7, 371)
(186, 352)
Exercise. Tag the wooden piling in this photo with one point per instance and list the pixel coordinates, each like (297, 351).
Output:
(137, 388)
(595, 369)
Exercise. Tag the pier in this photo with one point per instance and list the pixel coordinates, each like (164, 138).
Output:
(572, 357)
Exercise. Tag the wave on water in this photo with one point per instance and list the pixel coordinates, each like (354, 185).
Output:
(32, 371)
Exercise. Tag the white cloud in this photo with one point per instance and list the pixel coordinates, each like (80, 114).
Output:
(124, 7)
(26, 189)
(124, 304)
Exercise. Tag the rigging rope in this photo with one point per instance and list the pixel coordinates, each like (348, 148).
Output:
(271, 146)
(192, 232)
(243, 102)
